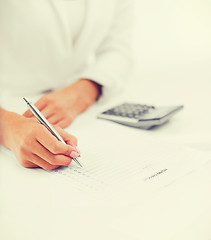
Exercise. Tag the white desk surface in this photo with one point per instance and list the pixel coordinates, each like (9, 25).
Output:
(36, 206)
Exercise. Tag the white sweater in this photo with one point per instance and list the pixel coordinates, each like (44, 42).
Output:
(38, 50)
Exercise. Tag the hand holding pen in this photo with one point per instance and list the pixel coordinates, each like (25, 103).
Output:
(34, 145)
(44, 121)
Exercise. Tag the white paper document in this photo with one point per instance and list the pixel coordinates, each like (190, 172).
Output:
(179, 212)
(114, 161)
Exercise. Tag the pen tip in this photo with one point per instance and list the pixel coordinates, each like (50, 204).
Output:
(26, 100)
(76, 160)
(80, 164)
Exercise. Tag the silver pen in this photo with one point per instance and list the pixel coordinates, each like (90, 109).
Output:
(45, 122)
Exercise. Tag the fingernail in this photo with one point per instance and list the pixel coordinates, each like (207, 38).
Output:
(78, 151)
(74, 154)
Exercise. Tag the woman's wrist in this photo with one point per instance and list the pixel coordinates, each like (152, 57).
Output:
(85, 93)
(6, 119)
(92, 90)
(97, 88)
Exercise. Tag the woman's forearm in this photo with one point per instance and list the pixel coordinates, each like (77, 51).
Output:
(5, 118)
(3, 114)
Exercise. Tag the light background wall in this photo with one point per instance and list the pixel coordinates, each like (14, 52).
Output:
(172, 49)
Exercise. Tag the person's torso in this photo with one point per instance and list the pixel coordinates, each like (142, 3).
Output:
(36, 42)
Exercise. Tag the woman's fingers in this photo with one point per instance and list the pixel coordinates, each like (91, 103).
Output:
(53, 159)
(63, 123)
(41, 163)
(54, 119)
(47, 112)
(52, 144)
(68, 138)
(29, 164)
(46, 151)
(40, 104)
(35, 146)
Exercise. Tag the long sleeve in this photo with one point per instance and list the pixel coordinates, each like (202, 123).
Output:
(113, 63)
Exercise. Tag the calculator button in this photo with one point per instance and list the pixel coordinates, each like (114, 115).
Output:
(128, 110)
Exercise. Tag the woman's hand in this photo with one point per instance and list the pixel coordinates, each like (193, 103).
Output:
(62, 107)
(34, 145)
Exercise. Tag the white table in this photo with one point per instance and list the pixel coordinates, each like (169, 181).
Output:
(35, 206)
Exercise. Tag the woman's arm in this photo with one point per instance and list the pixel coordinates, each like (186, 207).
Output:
(33, 144)
(113, 64)
(111, 70)
(61, 107)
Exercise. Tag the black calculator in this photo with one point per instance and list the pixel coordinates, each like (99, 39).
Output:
(140, 115)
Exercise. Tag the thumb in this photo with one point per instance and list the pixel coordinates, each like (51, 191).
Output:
(68, 138)
(28, 114)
